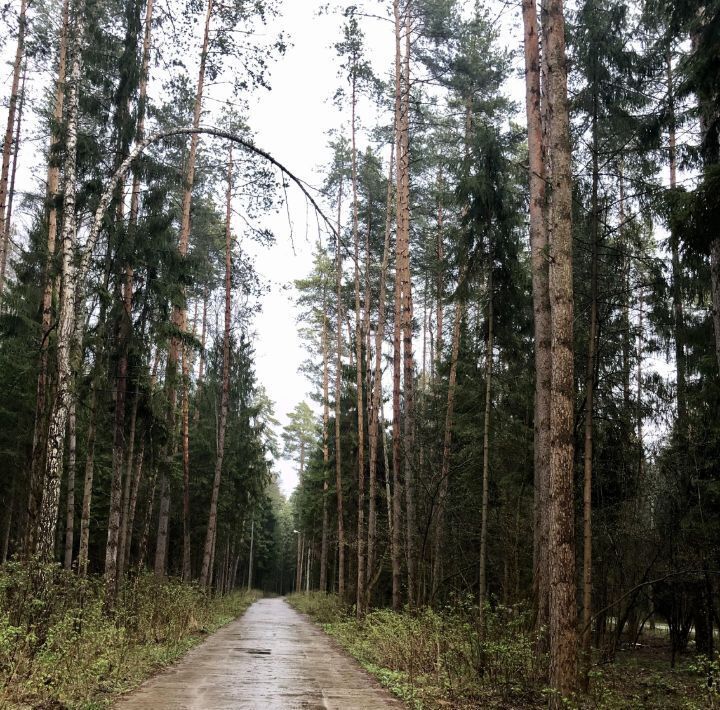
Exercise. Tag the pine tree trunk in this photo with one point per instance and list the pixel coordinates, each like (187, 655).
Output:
(224, 398)
(541, 310)
(83, 553)
(376, 398)
(132, 504)
(325, 445)
(117, 526)
(178, 315)
(186, 571)
(7, 143)
(70, 508)
(561, 549)
(403, 304)
(678, 317)
(447, 444)
(589, 395)
(439, 281)
(360, 597)
(201, 366)
(338, 398)
(486, 448)
(13, 173)
(127, 486)
(144, 541)
(715, 288)
(66, 325)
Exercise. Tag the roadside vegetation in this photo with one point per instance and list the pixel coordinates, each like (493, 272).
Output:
(439, 659)
(62, 649)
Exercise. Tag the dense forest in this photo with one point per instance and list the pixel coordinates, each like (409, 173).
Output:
(512, 328)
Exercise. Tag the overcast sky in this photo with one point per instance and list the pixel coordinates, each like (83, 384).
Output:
(292, 122)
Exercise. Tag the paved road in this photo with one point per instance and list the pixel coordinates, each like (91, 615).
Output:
(272, 657)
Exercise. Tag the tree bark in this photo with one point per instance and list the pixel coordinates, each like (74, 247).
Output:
(376, 400)
(447, 444)
(13, 173)
(70, 509)
(715, 287)
(53, 181)
(589, 394)
(225, 396)
(325, 445)
(360, 596)
(178, 314)
(404, 280)
(561, 549)
(486, 448)
(115, 550)
(338, 398)
(7, 143)
(678, 317)
(541, 312)
(66, 326)
(186, 571)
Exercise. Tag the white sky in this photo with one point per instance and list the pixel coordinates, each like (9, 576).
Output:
(292, 122)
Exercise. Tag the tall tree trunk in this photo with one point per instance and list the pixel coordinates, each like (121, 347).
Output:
(589, 394)
(404, 280)
(145, 539)
(325, 445)
(37, 461)
(439, 281)
(201, 366)
(447, 444)
(127, 485)
(396, 439)
(338, 397)
(376, 399)
(225, 395)
(13, 175)
(541, 311)
(486, 446)
(132, 504)
(186, 571)
(360, 596)
(66, 325)
(115, 549)
(70, 509)
(561, 549)
(678, 317)
(178, 315)
(715, 288)
(298, 562)
(250, 562)
(7, 143)
(83, 554)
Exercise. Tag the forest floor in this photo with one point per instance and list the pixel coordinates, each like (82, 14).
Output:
(434, 661)
(272, 657)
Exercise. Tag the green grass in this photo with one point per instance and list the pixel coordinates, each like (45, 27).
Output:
(59, 648)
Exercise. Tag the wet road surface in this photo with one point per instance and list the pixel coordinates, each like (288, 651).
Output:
(272, 657)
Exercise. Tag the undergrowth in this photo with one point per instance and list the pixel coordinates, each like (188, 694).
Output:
(438, 659)
(60, 647)
(433, 659)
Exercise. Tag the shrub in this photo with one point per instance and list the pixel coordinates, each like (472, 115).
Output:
(59, 645)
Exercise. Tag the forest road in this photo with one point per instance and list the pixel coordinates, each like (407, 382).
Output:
(272, 657)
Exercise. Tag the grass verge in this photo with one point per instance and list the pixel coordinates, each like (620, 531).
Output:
(59, 647)
(438, 659)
